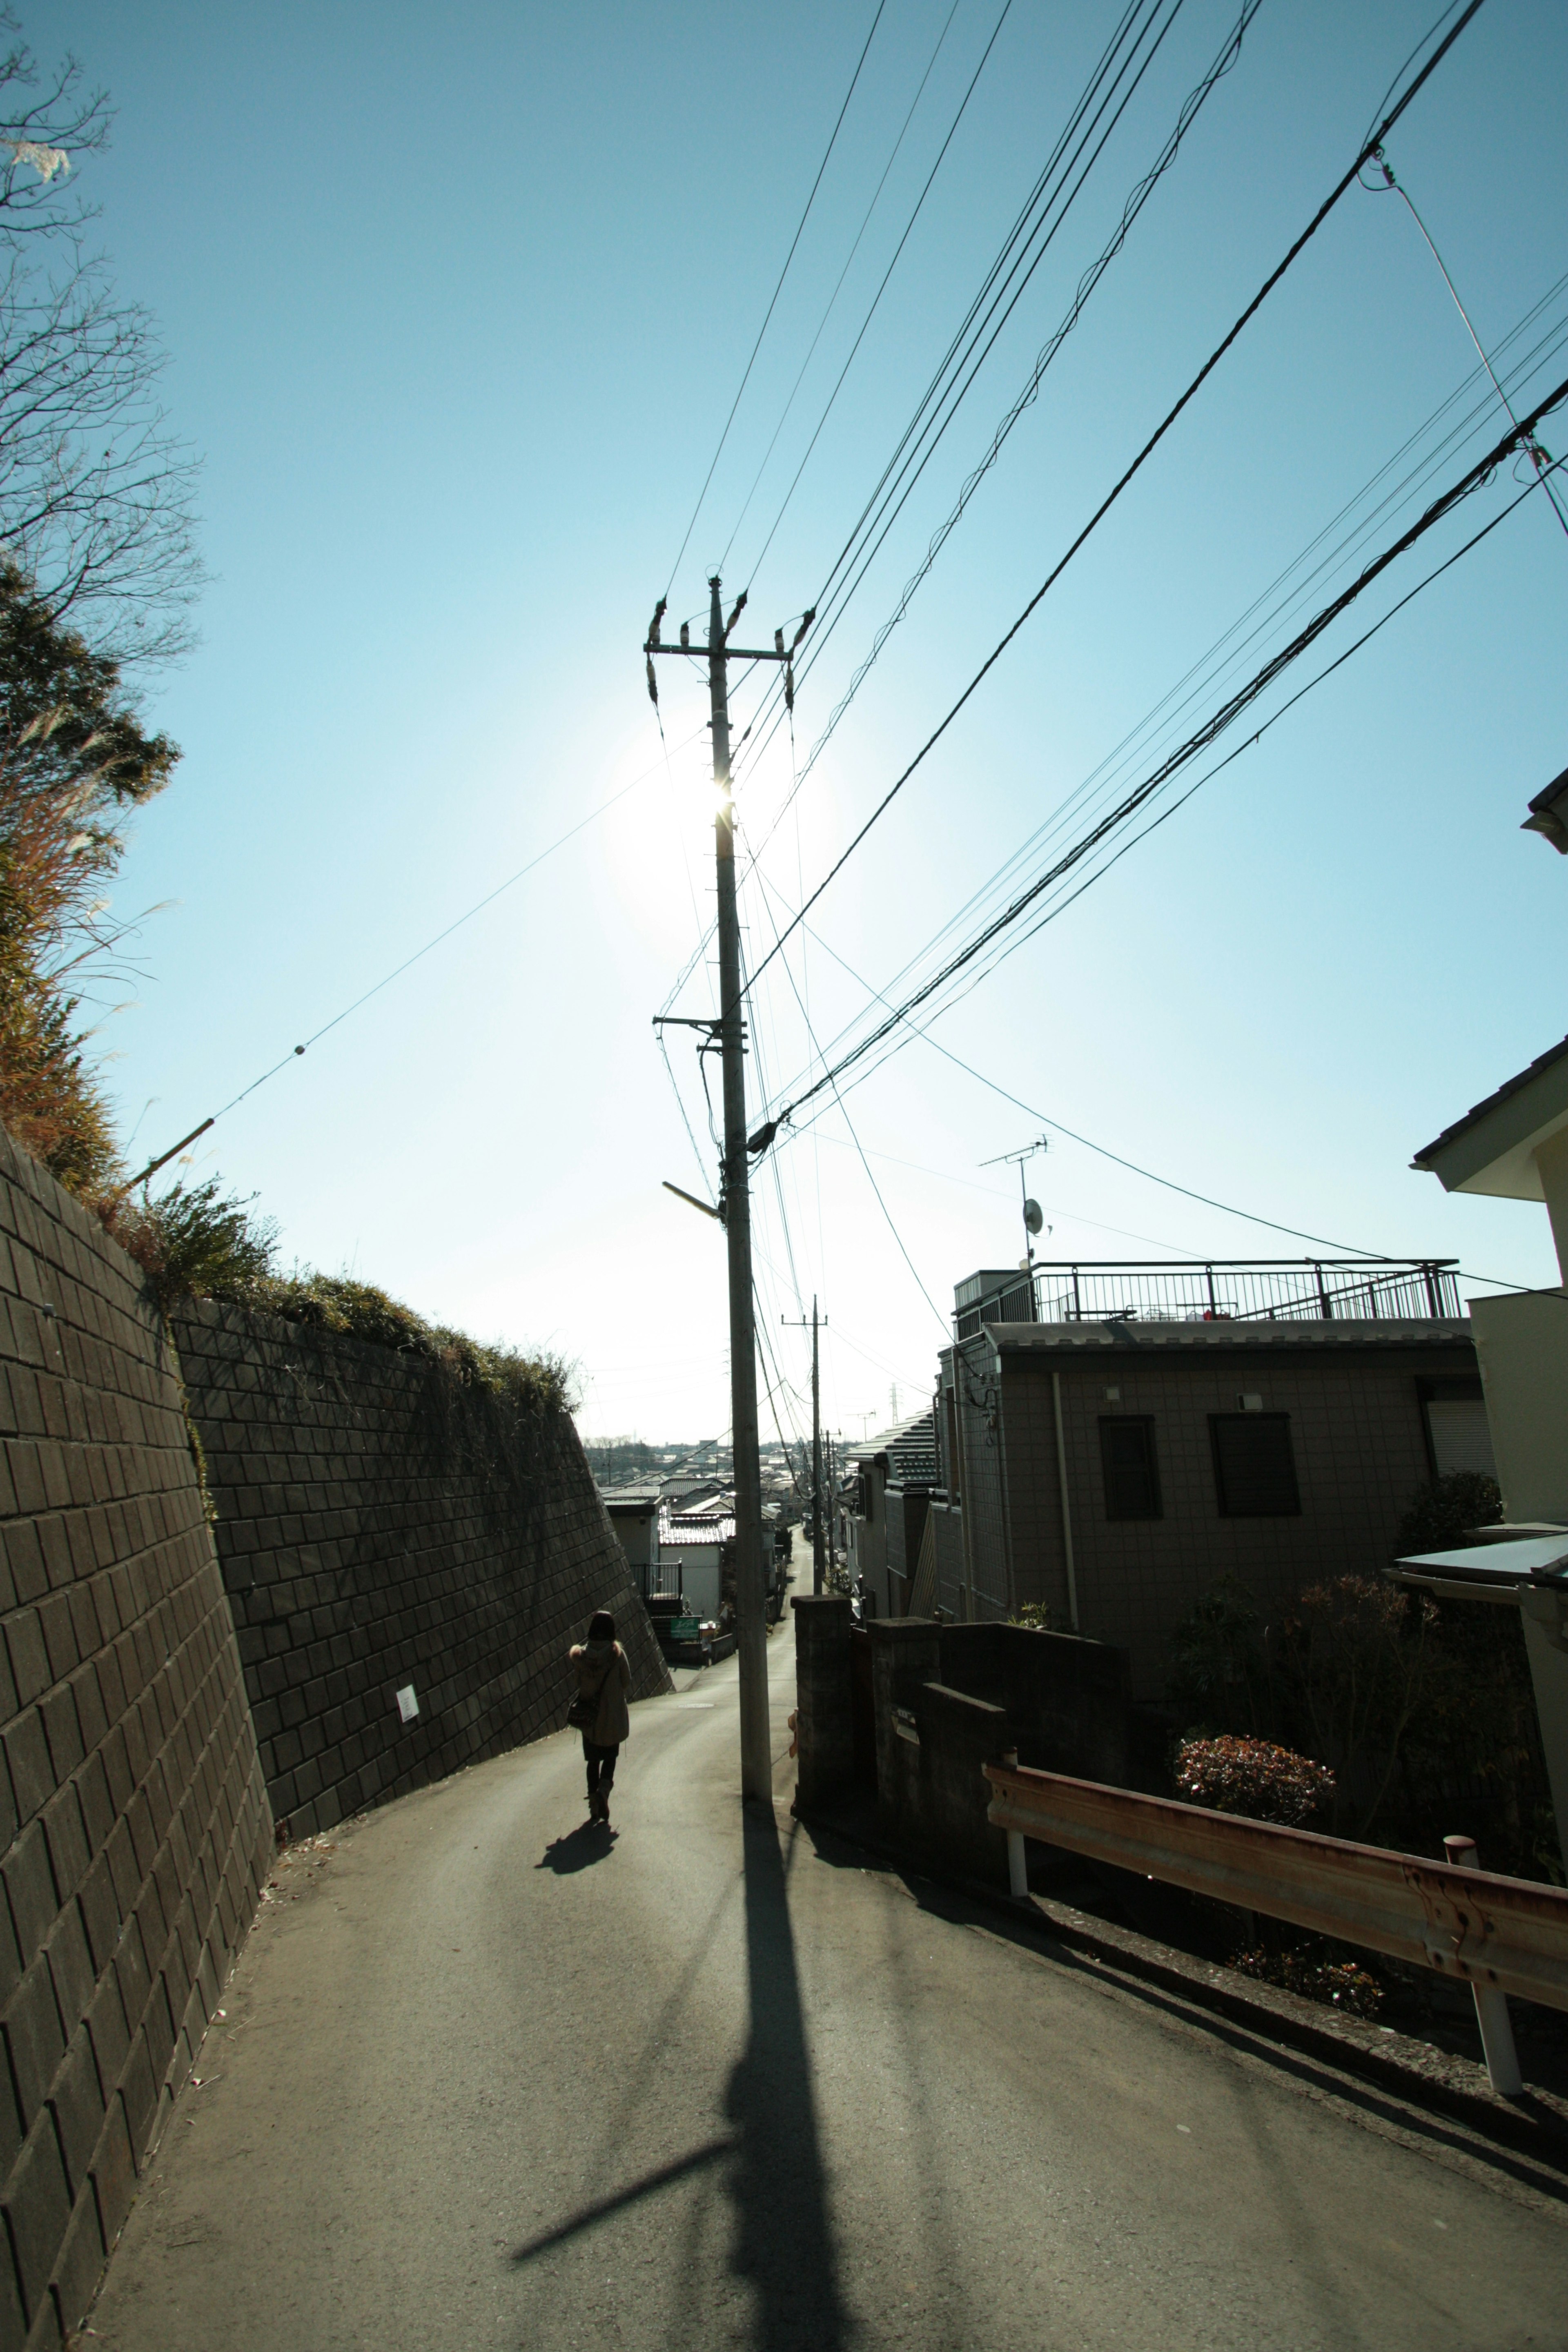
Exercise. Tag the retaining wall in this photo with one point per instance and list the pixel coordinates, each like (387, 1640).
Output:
(380, 1529)
(133, 1821)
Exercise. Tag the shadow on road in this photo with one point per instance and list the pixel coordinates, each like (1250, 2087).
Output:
(783, 2241)
(649, 2185)
(578, 1850)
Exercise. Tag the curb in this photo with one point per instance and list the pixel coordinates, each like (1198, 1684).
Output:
(1536, 2125)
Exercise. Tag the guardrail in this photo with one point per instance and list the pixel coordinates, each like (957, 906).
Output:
(1501, 1935)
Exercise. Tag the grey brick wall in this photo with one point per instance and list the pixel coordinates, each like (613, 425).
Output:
(134, 1819)
(378, 1528)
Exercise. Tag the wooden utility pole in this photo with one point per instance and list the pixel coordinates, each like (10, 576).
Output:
(818, 1582)
(735, 1204)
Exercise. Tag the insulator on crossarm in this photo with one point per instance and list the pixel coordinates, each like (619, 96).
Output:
(789, 685)
(805, 621)
(778, 643)
(658, 612)
(686, 636)
(652, 683)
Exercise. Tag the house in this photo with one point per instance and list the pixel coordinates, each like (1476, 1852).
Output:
(634, 1514)
(894, 1475)
(695, 1548)
(1515, 1144)
(1114, 1438)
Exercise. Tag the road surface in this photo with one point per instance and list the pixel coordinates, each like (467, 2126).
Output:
(490, 2079)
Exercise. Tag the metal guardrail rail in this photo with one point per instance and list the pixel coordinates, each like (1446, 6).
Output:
(1509, 1934)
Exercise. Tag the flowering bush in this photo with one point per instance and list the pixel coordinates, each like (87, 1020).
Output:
(1252, 1777)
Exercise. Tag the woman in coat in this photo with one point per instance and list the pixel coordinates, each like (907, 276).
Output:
(601, 1667)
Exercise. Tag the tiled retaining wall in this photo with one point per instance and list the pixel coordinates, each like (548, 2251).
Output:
(380, 1529)
(134, 1821)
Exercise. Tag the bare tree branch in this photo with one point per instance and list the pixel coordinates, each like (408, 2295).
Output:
(97, 493)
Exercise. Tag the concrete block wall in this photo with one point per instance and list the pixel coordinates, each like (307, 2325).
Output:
(377, 1529)
(132, 1816)
(824, 1735)
(1068, 1702)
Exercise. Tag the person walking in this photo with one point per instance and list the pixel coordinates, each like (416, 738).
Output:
(599, 1710)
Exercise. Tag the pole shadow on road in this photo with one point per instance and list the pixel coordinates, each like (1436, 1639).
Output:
(783, 2241)
(579, 1849)
(771, 2160)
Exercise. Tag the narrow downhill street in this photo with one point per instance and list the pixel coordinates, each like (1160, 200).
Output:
(488, 2078)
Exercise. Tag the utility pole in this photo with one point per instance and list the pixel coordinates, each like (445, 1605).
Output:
(817, 1584)
(832, 1519)
(756, 1752)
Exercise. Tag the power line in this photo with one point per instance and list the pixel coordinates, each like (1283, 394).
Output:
(929, 424)
(1025, 228)
(1017, 239)
(419, 953)
(1223, 64)
(1179, 697)
(1204, 736)
(1537, 455)
(1149, 447)
(865, 1163)
(865, 324)
(838, 287)
(778, 289)
(1186, 690)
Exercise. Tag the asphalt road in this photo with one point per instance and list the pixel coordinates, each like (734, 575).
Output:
(488, 2078)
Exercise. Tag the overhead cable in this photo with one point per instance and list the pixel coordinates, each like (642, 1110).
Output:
(1115, 61)
(876, 300)
(778, 289)
(838, 287)
(1324, 209)
(1199, 740)
(1061, 904)
(1222, 66)
(1021, 252)
(1275, 604)
(409, 961)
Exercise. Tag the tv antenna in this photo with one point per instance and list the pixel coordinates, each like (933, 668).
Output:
(1033, 1216)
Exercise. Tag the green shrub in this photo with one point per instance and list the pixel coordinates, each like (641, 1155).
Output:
(1443, 1513)
(1219, 1677)
(195, 1241)
(357, 1310)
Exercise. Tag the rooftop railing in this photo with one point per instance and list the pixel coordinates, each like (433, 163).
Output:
(1220, 1290)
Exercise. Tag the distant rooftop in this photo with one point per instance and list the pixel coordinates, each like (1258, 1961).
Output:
(910, 1446)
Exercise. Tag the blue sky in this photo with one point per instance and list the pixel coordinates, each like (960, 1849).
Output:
(457, 307)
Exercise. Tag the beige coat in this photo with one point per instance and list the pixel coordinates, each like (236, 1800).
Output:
(590, 1660)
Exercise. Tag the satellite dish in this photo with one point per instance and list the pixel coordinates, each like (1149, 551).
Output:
(1033, 1216)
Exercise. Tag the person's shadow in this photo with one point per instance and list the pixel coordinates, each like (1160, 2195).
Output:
(579, 1849)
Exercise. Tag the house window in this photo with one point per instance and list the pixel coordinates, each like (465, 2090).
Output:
(1253, 1467)
(1132, 1471)
(1458, 1436)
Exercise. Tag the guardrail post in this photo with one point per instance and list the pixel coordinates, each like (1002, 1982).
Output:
(1017, 1866)
(1491, 2006)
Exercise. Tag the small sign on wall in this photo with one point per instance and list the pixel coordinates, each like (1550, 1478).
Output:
(408, 1705)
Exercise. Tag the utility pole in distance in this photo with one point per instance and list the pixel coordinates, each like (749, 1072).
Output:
(756, 1753)
(817, 1582)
